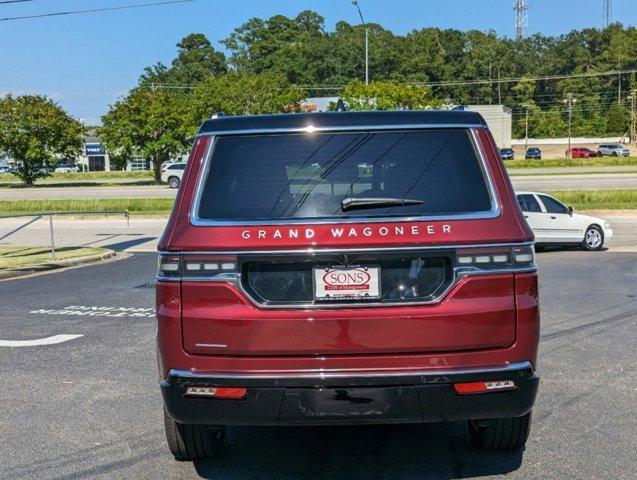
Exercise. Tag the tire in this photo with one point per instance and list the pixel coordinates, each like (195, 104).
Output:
(501, 433)
(173, 182)
(593, 238)
(193, 442)
(614, 154)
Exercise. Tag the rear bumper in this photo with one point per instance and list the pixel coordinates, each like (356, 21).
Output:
(346, 398)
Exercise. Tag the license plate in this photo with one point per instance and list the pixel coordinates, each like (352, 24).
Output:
(351, 282)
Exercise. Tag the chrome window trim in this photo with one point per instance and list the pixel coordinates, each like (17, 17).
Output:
(327, 374)
(494, 212)
(459, 274)
(344, 128)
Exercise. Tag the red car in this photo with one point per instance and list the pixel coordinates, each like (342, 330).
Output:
(580, 153)
(346, 268)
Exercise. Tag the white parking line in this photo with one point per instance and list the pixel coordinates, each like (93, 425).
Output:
(39, 341)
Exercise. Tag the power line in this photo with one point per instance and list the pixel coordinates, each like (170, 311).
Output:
(15, 1)
(93, 10)
(486, 81)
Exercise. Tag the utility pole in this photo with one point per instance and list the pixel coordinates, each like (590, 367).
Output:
(569, 101)
(355, 2)
(633, 117)
(499, 89)
(526, 135)
(521, 9)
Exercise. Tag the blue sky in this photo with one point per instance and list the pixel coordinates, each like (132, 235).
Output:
(87, 61)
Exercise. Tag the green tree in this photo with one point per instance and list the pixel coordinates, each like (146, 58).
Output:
(34, 131)
(151, 124)
(196, 60)
(389, 95)
(244, 94)
(617, 120)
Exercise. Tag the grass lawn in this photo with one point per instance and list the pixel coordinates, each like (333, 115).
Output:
(572, 162)
(579, 199)
(136, 206)
(143, 174)
(598, 199)
(14, 256)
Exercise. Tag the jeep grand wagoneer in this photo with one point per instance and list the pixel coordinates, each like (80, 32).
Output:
(346, 268)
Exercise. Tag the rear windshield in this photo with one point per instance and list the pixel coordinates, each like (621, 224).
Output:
(308, 175)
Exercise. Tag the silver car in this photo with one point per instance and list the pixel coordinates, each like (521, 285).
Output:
(613, 150)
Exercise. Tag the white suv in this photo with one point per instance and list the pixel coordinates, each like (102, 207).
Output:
(612, 149)
(173, 173)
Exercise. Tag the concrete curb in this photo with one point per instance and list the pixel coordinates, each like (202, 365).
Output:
(45, 267)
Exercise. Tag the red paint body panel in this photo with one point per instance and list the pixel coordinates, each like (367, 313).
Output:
(479, 313)
(173, 356)
(484, 321)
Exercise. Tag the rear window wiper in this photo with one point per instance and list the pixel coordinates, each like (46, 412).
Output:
(351, 203)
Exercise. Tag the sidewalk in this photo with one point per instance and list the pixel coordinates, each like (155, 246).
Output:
(141, 236)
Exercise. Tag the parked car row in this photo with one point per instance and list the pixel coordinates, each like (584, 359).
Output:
(530, 153)
(61, 168)
(604, 150)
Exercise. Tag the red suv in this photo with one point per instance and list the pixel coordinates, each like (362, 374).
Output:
(346, 268)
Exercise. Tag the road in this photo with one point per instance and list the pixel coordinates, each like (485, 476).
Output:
(523, 182)
(90, 407)
(143, 233)
(543, 183)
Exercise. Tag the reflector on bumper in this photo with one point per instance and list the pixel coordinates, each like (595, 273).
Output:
(217, 392)
(483, 387)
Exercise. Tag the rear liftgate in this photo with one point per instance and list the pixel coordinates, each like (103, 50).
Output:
(274, 304)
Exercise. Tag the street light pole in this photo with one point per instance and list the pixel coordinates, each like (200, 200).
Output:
(355, 3)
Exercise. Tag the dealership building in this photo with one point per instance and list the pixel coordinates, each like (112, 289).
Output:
(95, 158)
(500, 121)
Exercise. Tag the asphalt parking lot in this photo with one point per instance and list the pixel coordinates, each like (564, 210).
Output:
(90, 407)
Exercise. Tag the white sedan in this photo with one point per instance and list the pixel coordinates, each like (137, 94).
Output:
(555, 224)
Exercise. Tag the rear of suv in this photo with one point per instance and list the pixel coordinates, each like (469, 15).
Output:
(346, 268)
(613, 150)
(173, 174)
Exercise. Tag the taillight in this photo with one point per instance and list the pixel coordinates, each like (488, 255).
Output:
(200, 266)
(488, 258)
(230, 393)
(523, 257)
(468, 388)
(494, 259)
(169, 266)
